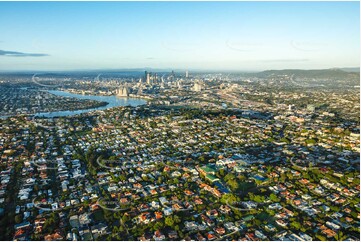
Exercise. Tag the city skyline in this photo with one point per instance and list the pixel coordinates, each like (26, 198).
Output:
(241, 36)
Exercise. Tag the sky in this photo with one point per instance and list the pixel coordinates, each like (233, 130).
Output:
(244, 36)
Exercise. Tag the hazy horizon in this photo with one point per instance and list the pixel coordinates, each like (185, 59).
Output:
(105, 70)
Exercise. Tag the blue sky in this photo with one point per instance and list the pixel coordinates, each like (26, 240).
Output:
(179, 35)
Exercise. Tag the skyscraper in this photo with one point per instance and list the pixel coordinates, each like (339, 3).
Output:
(148, 78)
(198, 86)
(122, 91)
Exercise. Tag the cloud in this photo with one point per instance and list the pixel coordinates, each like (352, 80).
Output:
(20, 54)
(307, 45)
(286, 60)
(150, 58)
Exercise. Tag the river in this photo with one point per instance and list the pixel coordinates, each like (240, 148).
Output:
(113, 101)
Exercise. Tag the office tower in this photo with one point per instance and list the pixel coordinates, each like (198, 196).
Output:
(148, 78)
(198, 86)
(122, 91)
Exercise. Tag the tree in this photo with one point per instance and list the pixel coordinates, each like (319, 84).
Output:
(258, 198)
(274, 198)
(271, 212)
(18, 219)
(320, 237)
(115, 230)
(229, 176)
(228, 198)
(169, 221)
(295, 225)
(257, 222)
(158, 225)
(125, 218)
(177, 228)
(176, 219)
(221, 172)
(122, 177)
(233, 184)
(121, 229)
(340, 236)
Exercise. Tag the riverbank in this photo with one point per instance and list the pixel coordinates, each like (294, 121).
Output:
(24, 101)
(59, 103)
(103, 94)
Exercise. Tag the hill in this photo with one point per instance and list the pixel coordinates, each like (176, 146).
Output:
(334, 73)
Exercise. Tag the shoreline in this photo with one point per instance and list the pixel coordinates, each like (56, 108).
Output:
(103, 102)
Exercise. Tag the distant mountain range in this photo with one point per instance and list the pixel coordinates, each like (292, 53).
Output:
(351, 69)
(324, 73)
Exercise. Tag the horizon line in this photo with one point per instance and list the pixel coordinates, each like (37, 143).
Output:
(169, 69)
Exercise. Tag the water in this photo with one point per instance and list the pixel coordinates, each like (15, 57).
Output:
(260, 178)
(113, 101)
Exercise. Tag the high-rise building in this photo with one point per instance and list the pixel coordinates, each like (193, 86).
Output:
(179, 84)
(162, 82)
(186, 74)
(148, 78)
(198, 86)
(122, 91)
